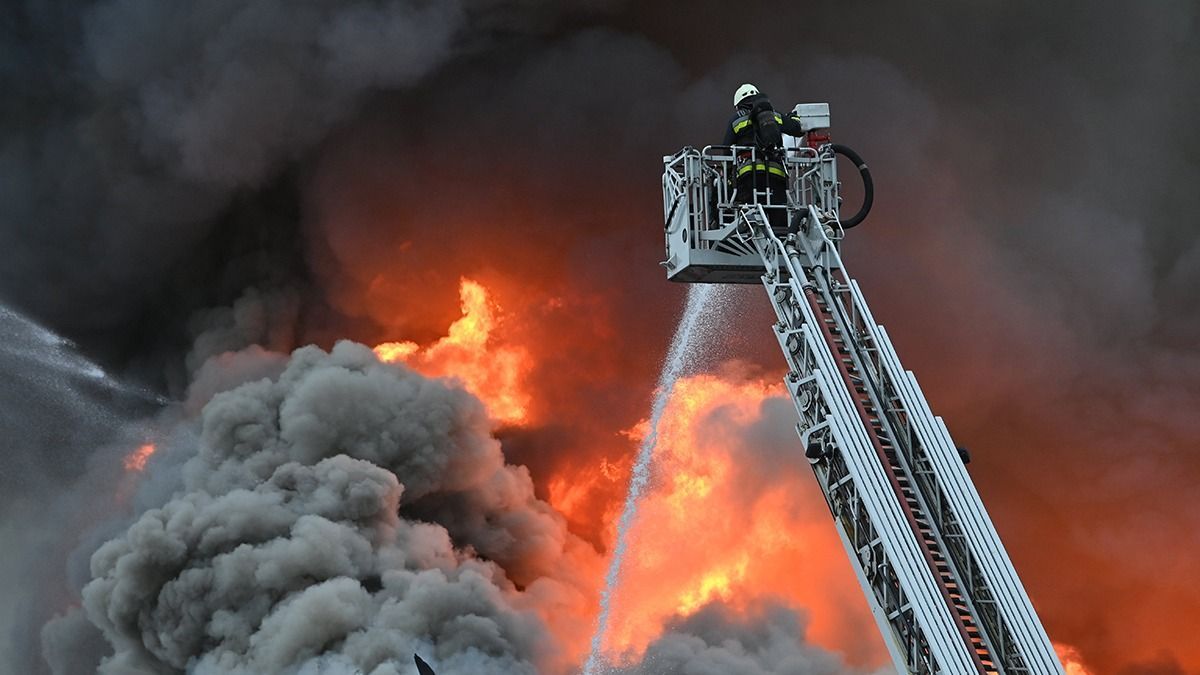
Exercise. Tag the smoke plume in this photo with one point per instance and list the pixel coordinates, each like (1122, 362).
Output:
(188, 193)
(766, 639)
(339, 515)
(290, 544)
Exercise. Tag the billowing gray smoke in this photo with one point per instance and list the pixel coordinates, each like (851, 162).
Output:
(284, 549)
(334, 514)
(168, 174)
(147, 211)
(767, 639)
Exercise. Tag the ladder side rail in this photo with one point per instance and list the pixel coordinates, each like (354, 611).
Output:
(915, 579)
(1032, 641)
(893, 612)
(902, 636)
(822, 254)
(999, 637)
(1028, 648)
(907, 645)
(793, 312)
(1040, 654)
(1014, 619)
(980, 581)
(881, 496)
(987, 550)
(977, 579)
(969, 589)
(931, 623)
(931, 544)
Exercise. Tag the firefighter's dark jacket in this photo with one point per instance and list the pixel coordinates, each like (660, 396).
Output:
(740, 130)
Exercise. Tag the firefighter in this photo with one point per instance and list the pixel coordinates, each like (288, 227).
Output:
(755, 123)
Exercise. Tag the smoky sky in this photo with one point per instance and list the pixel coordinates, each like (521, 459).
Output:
(147, 149)
(178, 181)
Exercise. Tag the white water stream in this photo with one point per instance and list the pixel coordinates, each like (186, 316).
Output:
(688, 343)
(34, 355)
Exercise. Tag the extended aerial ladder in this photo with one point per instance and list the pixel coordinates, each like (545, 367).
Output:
(939, 582)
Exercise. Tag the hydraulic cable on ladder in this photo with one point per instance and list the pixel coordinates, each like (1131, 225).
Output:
(939, 582)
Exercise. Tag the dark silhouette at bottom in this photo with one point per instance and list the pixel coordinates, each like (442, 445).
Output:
(422, 667)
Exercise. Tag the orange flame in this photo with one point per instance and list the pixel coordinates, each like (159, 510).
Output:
(720, 522)
(392, 352)
(135, 461)
(1071, 660)
(714, 584)
(470, 354)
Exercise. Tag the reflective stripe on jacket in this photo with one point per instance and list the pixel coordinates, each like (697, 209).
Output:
(771, 167)
(740, 130)
(742, 122)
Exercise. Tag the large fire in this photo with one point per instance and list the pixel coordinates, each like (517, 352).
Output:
(718, 524)
(715, 526)
(732, 515)
(723, 522)
(470, 354)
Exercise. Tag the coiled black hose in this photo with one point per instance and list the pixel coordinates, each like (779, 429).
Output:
(868, 185)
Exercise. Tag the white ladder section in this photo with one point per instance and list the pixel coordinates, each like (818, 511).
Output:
(940, 583)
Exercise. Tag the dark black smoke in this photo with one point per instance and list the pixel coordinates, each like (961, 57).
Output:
(150, 157)
(174, 184)
(144, 145)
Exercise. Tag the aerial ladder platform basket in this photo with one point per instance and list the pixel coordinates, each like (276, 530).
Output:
(939, 582)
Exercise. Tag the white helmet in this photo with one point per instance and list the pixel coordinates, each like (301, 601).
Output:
(744, 91)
